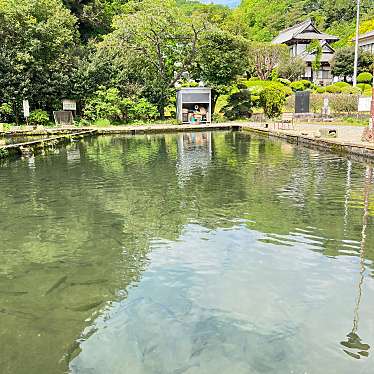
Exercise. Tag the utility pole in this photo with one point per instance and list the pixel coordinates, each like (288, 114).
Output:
(371, 124)
(356, 45)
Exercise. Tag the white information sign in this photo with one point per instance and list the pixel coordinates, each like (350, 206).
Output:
(26, 108)
(69, 104)
(364, 104)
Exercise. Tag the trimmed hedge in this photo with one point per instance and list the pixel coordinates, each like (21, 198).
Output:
(339, 103)
(302, 85)
(365, 78)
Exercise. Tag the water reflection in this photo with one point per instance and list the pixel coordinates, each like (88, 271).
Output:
(194, 153)
(354, 346)
(184, 253)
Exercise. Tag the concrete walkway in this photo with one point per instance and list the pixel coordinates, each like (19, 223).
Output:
(348, 140)
(344, 133)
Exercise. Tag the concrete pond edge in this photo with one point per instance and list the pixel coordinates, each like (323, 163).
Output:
(360, 151)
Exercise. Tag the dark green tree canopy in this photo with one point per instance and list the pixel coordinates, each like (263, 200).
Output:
(221, 58)
(342, 64)
(38, 40)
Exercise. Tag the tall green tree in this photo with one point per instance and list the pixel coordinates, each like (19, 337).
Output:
(221, 58)
(342, 64)
(155, 43)
(94, 16)
(38, 39)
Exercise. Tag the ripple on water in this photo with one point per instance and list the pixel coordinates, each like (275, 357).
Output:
(185, 253)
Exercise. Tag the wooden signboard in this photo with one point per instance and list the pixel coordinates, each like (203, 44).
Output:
(69, 105)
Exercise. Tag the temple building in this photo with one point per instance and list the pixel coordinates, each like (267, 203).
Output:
(298, 38)
(366, 42)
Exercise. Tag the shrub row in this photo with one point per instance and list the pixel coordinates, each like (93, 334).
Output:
(339, 103)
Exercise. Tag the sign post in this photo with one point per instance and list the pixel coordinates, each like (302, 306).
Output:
(369, 132)
(26, 109)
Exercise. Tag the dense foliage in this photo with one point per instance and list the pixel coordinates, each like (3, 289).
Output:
(123, 59)
(262, 19)
(239, 105)
(272, 100)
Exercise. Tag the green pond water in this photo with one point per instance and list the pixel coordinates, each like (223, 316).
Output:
(190, 253)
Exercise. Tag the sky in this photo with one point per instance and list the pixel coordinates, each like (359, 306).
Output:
(230, 3)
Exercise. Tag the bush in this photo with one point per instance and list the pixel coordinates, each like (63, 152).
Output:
(364, 87)
(143, 110)
(102, 122)
(272, 100)
(343, 103)
(321, 90)
(365, 78)
(5, 127)
(302, 85)
(342, 87)
(333, 89)
(297, 86)
(108, 104)
(190, 83)
(218, 118)
(238, 105)
(284, 81)
(256, 86)
(81, 122)
(6, 109)
(105, 103)
(368, 92)
(316, 103)
(342, 84)
(5, 112)
(39, 117)
(350, 90)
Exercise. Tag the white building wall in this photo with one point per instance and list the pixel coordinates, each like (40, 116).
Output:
(301, 48)
(367, 44)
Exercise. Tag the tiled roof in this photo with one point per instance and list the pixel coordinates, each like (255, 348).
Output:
(368, 34)
(296, 32)
(316, 35)
(289, 33)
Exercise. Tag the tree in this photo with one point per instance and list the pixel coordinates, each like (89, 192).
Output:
(341, 10)
(94, 16)
(315, 48)
(36, 51)
(291, 68)
(221, 58)
(156, 43)
(239, 105)
(272, 100)
(105, 104)
(108, 104)
(342, 64)
(264, 57)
